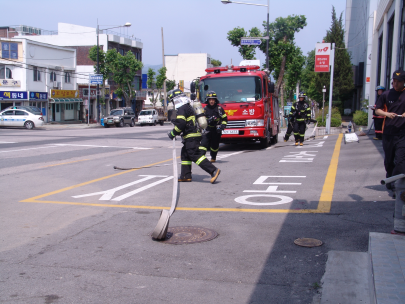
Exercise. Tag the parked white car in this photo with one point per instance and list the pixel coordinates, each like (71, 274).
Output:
(20, 117)
(148, 117)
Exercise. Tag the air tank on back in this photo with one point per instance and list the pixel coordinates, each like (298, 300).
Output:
(198, 109)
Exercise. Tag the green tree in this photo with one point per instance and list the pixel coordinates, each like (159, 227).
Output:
(151, 82)
(170, 84)
(160, 80)
(123, 70)
(247, 51)
(281, 44)
(343, 74)
(294, 70)
(103, 68)
(215, 62)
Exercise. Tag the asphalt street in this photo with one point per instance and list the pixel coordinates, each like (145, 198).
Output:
(74, 230)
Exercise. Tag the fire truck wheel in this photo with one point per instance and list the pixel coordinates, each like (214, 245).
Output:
(265, 142)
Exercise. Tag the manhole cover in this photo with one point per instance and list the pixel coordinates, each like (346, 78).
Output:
(308, 242)
(189, 235)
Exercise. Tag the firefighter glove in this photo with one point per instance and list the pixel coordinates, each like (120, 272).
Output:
(223, 127)
(170, 134)
(219, 129)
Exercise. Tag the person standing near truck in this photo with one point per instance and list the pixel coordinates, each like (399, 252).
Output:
(302, 114)
(391, 105)
(217, 121)
(185, 125)
(378, 120)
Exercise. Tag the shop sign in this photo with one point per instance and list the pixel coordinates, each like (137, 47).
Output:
(64, 94)
(322, 56)
(10, 83)
(10, 95)
(38, 96)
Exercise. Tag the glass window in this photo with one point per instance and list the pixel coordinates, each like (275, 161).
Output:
(9, 50)
(37, 74)
(380, 46)
(233, 89)
(8, 113)
(401, 54)
(5, 73)
(57, 108)
(67, 77)
(389, 52)
(116, 112)
(20, 113)
(52, 76)
(145, 113)
(121, 51)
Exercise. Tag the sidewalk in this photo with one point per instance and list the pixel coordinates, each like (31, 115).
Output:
(56, 126)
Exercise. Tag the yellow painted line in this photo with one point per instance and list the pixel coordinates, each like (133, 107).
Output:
(325, 200)
(323, 205)
(76, 161)
(30, 200)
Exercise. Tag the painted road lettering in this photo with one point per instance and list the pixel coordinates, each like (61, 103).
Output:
(108, 194)
(275, 198)
(299, 157)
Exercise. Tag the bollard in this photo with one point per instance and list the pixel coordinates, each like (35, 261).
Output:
(399, 215)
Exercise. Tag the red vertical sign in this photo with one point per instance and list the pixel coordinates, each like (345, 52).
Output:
(322, 56)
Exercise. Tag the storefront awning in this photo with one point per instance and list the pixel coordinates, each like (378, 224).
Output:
(66, 100)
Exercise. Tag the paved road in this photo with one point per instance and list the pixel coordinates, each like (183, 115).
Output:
(74, 230)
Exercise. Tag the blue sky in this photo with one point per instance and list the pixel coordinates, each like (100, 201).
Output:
(190, 26)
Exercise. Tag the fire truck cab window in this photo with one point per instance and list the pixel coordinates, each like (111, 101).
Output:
(234, 89)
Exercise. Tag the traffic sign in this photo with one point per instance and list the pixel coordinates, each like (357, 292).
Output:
(250, 41)
(96, 79)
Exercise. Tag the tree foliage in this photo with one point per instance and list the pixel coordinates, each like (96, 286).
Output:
(247, 51)
(170, 84)
(156, 84)
(343, 74)
(215, 62)
(103, 68)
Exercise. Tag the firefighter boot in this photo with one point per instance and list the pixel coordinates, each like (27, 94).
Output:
(213, 160)
(215, 175)
(301, 144)
(181, 179)
(296, 143)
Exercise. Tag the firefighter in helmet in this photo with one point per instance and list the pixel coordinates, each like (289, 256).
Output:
(290, 125)
(217, 121)
(302, 115)
(378, 120)
(185, 125)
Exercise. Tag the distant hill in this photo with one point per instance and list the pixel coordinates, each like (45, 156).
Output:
(146, 67)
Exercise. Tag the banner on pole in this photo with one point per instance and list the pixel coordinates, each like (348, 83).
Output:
(322, 57)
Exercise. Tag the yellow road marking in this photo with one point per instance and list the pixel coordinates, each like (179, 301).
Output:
(325, 200)
(324, 204)
(76, 161)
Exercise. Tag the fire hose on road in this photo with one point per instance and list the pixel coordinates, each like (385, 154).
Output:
(160, 231)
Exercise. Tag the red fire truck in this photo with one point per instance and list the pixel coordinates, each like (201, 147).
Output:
(246, 95)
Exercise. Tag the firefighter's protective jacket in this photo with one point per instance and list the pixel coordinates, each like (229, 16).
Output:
(300, 111)
(215, 116)
(185, 124)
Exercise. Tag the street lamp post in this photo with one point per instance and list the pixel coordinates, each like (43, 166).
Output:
(98, 63)
(323, 102)
(268, 13)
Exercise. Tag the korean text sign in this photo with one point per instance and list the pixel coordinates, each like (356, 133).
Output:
(322, 57)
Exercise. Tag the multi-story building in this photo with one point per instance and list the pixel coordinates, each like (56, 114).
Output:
(35, 73)
(81, 39)
(375, 37)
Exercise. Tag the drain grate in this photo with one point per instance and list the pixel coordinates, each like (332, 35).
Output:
(189, 235)
(308, 242)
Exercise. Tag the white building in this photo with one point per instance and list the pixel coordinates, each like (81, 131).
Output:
(187, 67)
(82, 38)
(31, 71)
(375, 37)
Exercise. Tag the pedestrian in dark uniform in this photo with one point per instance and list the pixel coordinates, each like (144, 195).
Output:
(391, 105)
(185, 125)
(378, 120)
(290, 126)
(302, 115)
(217, 121)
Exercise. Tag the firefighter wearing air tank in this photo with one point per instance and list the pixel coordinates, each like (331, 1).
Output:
(217, 121)
(185, 125)
(301, 112)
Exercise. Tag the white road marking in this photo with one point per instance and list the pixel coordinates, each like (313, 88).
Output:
(28, 149)
(270, 189)
(7, 142)
(220, 156)
(108, 194)
(325, 137)
(282, 200)
(118, 147)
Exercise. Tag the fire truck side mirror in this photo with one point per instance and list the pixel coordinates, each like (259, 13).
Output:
(193, 96)
(192, 87)
(271, 87)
